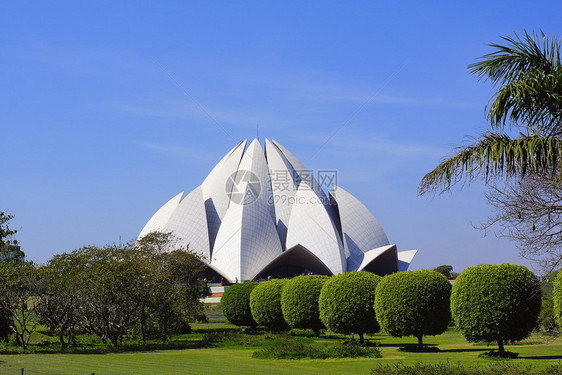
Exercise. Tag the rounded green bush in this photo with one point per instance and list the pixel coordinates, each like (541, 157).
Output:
(235, 304)
(496, 303)
(265, 303)
(347, 303)
(413, 303)
(299, 302)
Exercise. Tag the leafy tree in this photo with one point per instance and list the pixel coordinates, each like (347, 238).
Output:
(235, 304)
(299, 302)
(347, 303)
(524, 145)
(265, 303)
(21, 295)
(496, 303)
(62, 296)
(445, 270)
(173, 288)
(10, 250)
(21, 289)
(413, 303)
(151, 285)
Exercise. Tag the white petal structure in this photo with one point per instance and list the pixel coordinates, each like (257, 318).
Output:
(261, 213)
(361, 231)
(159, 220)
(189, 223)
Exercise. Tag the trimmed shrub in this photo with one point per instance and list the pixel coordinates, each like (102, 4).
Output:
(296, 350)
(235, 304)
(413, 303)
(496, 303)
(347, 303)
(265, 303)
(299, 302)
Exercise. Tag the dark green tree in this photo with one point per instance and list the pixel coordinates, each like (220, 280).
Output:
(444, 269)
(496, 303)
(347, 303)
(265, 303)
(299, 302)
(235, 304)
(413, 303)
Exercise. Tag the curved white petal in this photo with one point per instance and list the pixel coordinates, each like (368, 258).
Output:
(283, 187)
(382, 260)
(304, 174)
(405, 258)
(189, 223)
(158, 221)
(247, 240)
(311, 226)
(214, 189)
(361, 231)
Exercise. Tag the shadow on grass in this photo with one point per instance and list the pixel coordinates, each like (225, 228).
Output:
(467, 350)
(411, 348)
(429, 348)
(402, 345)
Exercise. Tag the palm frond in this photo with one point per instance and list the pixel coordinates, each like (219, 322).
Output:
(534, 101)
(492, 156)
(520, 55)
(529, 72)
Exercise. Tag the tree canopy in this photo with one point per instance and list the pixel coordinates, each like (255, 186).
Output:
(496, 303)
(413, 303)
(235, 304)
(347, 303)
(299, 302)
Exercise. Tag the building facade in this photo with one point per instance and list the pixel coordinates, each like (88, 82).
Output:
(261, 213)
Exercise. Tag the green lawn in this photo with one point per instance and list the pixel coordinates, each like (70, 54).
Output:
(235, 356)
(234, 360)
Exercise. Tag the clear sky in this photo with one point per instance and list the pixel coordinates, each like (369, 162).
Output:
(96, 136)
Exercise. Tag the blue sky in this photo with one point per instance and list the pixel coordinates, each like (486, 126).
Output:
(96, 137)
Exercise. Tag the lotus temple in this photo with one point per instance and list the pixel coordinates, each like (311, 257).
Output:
(261, 212)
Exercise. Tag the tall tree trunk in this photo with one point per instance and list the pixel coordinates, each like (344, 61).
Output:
(420, 341)
(61, 339)
(143, 325)
(361, 338)
(501, 349)
(19, 339)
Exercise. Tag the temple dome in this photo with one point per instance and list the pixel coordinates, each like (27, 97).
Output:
(261, 213)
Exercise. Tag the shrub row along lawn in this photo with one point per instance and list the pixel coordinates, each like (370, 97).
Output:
(232, 352)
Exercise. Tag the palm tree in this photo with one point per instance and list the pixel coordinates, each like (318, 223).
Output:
(529, 100)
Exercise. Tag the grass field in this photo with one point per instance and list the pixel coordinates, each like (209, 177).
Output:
(236, 358)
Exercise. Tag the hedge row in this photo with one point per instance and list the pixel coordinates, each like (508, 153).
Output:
(488, 303)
